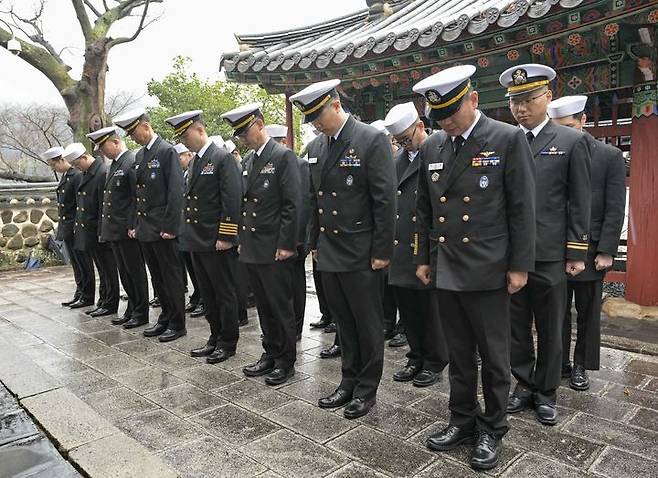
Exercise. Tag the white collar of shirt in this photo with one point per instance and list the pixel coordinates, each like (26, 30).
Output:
(120, 154)
(412, 155)
(204, 149)
(468, 132)
(260, 150)
(150, 145)
(341, 127)
(537, 129)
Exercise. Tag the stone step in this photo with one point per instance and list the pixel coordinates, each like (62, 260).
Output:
(90, 442)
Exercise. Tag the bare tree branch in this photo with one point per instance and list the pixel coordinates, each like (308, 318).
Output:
(141, 27)
(122, 101)
(83, 19)
(92, 8)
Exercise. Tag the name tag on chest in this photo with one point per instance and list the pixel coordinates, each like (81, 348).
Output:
(435, 167)
(312, 160)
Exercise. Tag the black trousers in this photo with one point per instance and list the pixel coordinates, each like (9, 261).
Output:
(242, 288)
(132, 272)
(541, 301)
(319, 291)
(108, 287)
(587, 351)
(478, 320)
(356, 305)
(390, 306)
(78, 273)
(272, 286)
(195, 297)
(419, 311)
(164, 262)
(299, 289)
(216, 274)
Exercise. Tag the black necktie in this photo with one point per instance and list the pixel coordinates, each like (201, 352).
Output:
(531, 137)
(332, 140)
(458, 143)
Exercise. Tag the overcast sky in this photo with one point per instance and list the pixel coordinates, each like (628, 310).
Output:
(200, 29)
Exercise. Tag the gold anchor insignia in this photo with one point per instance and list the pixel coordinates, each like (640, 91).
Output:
(486, 154)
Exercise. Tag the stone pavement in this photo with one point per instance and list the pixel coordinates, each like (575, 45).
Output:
(207, 421)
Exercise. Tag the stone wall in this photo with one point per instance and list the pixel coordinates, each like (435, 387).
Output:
(26, 224)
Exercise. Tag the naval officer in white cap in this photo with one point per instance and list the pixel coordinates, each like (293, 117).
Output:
(563, 196)
(417, 302)
(351, 231)
(159, 205)
(268, 239)
(211, 212)
(83, 270)
(117, 218)
(87, 226)
(606, 221)
(475, 243)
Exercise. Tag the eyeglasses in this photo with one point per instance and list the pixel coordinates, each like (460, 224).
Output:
(406, 141)
(244, 133)
(517, 103)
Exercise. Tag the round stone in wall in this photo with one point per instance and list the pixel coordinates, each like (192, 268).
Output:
(29, 230)
(52, 214)
(6, 216)
(9, 230)
(21, 216)
(15, 242)
(31, 241)
(36, 215)
(46, 226)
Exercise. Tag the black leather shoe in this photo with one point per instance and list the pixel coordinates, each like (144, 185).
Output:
(154, 331)
(426, 378)
(407, 374)
(279, 376)
(330, 329)
(450, 438)
(190, 307)
(546, 414)
(220, 355)
(170, 335)
(120, 320)
(81, 303)
(579, 379)
(337, 399)
(399, 340)
(154, 302)
(69, 302)
(517, 404)
(486, 452)
(262, 367)
(133, 323)
(320, 324)
(358, 407)
(199, 311)
(566, 370)
(204, 351)
(102, 312)
(331, 352)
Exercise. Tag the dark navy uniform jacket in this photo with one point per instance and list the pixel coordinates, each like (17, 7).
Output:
(87, 226)
(159, 191)
(118, 206)
(66, 203)
(353, 188)
(476, 211)
(211, 208)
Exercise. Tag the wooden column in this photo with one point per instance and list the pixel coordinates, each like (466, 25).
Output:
(289, 123)
(642, 266)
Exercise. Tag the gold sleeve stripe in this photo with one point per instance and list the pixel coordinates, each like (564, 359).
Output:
(579, 247)
(228, 229)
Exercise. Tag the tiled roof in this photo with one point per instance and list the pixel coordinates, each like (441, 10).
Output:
(422, 23)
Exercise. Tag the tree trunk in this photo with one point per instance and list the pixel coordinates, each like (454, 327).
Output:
(86, 99)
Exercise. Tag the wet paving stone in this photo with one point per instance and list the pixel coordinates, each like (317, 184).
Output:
(115, 337)
(34, 457)
(185, 400)
(253, 395)
(207, 377)
(116, 364)
(444, 467)
(172, 361)
(633, 396)
(594, 405)
(310, 421)
(646, 419)
(140, 349)
(536, 466)
(354, 470)
(291, 455)
(148, 379)
(15, 425)
(234, 425)
(310, 390)
(435, 405)
(621, 377)
(382, 452)
(618, 463)
(87, 350)
(568, 449)
(159, 429)
(396, 421)
(627, 437)
(642, 367)
(210, 458)
(118, 403)
(89, 381)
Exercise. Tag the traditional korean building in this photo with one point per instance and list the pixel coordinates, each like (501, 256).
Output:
(603, 48)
